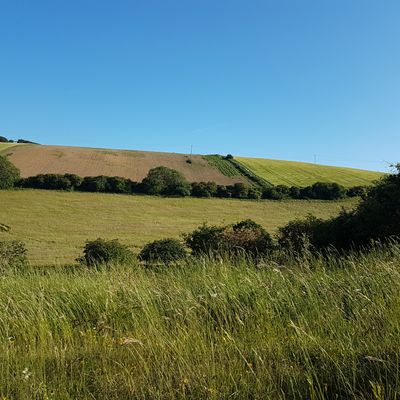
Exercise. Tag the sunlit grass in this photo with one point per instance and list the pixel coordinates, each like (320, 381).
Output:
(308, 329)
(291, 173)
(55, 225)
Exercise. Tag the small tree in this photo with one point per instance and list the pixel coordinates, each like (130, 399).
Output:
(165, 251)
(165, 181)
(100, 251)
(9, 174)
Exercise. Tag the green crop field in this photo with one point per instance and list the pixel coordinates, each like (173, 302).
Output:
(55, 225)
(291, 173)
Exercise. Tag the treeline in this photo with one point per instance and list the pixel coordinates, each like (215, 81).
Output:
(3, 139)
(168, 182)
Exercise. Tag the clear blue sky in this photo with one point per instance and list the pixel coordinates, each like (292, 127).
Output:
(280, 79)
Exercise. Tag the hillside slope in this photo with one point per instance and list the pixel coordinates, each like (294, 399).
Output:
(41, 159)
(279, 172)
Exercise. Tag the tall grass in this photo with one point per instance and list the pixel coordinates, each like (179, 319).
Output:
(312, 328)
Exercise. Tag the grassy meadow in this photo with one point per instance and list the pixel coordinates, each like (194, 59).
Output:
(310, 328)
(292, 173)
(55, 225)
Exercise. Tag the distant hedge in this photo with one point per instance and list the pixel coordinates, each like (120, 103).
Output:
(168, 182)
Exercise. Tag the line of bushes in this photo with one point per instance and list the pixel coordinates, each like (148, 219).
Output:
(168, 182)
(376, 218)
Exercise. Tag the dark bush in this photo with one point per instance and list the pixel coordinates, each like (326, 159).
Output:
(25, 141)
(203, 189)
(229, 157)
(100, 251)
(116, 184)
(247, 237)
(327, 191)
(3, 139)
(163, 251)
(51, 182)
(204, 240)
(94, 184)
(165, 181)
(357, 191)
(254, 193)
(272, 193)
(12, 255)
(75, 180)
(222, 191)
(239, 190)
(294, 192)
(298, 235)
(9, 174)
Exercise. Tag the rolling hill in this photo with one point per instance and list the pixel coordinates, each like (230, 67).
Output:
(41, 159)
(292, 173)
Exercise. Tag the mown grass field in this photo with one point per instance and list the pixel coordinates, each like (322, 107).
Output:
(55, 225)
(5, 146)
(306, 329)
(291, 173)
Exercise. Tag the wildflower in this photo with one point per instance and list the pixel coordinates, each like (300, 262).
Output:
(26, 374)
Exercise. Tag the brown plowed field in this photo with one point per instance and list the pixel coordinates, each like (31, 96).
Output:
(39, 159)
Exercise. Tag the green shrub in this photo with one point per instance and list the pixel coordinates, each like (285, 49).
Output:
(298, 235)
(223, 191)
(244, 237)
(328, 191)
(204, 189)
(100, 251)
(254, 193)
(164, 251)
(94, 184)
(12, 255)
(239, 190)
(204, 240)
(247, 237)
(272, 193)
(357, 191)
(117, 184)
(9, 174)
(165, 181)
